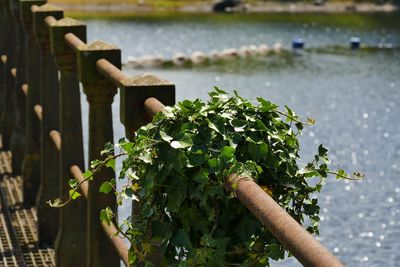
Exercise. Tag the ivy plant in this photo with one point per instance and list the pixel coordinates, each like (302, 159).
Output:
(176, 168)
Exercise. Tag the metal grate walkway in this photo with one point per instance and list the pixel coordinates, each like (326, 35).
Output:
(18, 234)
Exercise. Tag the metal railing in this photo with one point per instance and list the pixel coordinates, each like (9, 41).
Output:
(44, 58)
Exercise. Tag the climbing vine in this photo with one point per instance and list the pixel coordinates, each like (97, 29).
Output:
(176, 168)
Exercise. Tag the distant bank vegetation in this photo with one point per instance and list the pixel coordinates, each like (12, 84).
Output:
(178, 3)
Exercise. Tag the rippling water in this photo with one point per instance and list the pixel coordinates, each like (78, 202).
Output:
(354, 96)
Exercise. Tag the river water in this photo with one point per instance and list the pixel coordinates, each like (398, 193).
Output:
(353, 95)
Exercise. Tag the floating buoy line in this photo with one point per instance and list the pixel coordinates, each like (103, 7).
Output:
(199, 57)
(251, 51)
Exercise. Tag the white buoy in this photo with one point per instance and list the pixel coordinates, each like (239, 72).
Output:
(215, 55)
(277, 47)
(243, 51)
(133, 61)
(263, 49)
(198, 57)
(151, 60)
(229, 53)
(252, 50)
(180, 59)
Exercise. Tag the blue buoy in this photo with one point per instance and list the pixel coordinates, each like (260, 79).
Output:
(298, 43)
(355, 43)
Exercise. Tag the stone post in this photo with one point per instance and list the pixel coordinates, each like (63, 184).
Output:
(100, 94)
(48, 217)
(3, 61)
(31, 162)
(17, 142)
(72, 235)
(8, 116)
(134, 92)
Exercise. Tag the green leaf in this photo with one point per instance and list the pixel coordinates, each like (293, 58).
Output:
(166, 137)
(258, 152)
(183, 141)
(74, 194)
(73, 183)
(106, 215)
(129, 193)
(217, 124)
(106, 187)
(266, 106)
(108, 149)
(95, 163)
(227, 152)
(201, 177)
(322, 151)
(340, 174)
(111, 163)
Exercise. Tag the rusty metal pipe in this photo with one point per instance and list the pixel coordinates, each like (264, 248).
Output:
(117, 241)
(14, 72)
(111, 72)
(25, 89)
(152, 106)
(74, 42)
(56, 138)
(110, 230)
(50, 20)
(78, 175)
(38, 111)
(287, 230)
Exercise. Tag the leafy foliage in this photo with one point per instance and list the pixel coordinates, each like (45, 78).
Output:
(178, 165)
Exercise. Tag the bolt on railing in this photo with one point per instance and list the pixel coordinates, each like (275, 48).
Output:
(54, 60)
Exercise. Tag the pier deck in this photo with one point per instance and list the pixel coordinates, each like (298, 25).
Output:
(18, 225)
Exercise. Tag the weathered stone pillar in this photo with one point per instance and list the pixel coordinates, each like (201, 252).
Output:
(100, 94)
(3, 60)
(8, 115)
(134, 92)
(72, 235)
(31, 162)
(17, 142)
(48, 217)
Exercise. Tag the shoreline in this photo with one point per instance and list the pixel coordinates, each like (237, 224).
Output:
(269, 7)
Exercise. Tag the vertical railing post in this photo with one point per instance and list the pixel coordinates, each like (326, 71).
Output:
(72, 235)
(134, 92)
(48, 217)
(3, 60)
(9, 108)
(31, 163)
(100, 94)
(17, 142)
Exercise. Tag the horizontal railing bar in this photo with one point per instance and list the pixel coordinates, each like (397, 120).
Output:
(78, 175)
(50, 20)
(117, 241)
(56, 138)
(3, 59)
(111, 72)
(73, 41)
(110, 230)
(152, 106)
(286, 229)
(25, 89)
(38, 111)
(14, 72)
